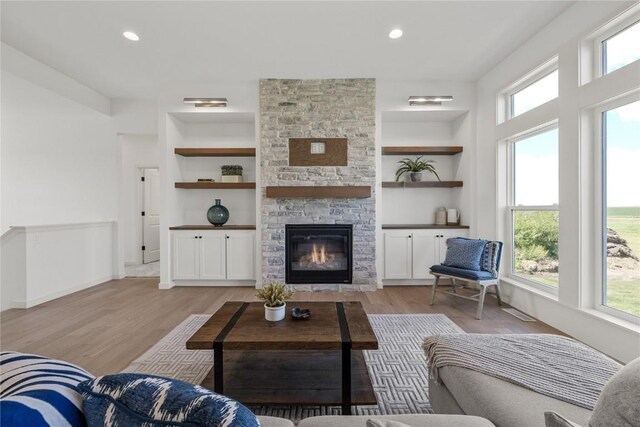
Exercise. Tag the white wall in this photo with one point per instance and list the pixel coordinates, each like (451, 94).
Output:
(572, 310)
(58, 166)
(59, 158)
(136, 152)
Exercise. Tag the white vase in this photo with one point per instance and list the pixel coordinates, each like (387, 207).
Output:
(273, 314)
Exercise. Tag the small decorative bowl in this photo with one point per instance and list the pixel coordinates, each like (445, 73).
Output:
(300, 313)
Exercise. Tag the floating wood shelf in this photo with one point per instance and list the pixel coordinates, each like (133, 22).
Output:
(212, 227)
(217, 185)
(416, 150)
(216, 152)
(343, 191)
(419, 226)
(422, 184)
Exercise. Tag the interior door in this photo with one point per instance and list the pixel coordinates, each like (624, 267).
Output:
(151, 218)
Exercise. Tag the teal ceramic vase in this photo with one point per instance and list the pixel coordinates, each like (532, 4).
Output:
(217, 214)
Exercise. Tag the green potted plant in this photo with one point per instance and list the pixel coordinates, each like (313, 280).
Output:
(415, 168)
(231, 173)
(274, 297)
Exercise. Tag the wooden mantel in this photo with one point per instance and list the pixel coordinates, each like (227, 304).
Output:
(320, 192)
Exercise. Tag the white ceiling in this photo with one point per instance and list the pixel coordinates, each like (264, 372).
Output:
(183, 41)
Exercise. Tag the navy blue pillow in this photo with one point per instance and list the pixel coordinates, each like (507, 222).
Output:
(36, 391)
(464, 253)
(136, 400)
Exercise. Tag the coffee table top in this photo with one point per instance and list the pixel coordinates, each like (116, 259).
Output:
(252, 331)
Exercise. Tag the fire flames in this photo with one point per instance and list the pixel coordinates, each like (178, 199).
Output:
(318, 256)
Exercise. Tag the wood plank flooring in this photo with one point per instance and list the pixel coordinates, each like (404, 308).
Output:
(106, 327)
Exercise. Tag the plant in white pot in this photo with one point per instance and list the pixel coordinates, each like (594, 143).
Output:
(415, 168)
(274, 297)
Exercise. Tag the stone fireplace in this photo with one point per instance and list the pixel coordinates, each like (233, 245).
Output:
(337, 108)
(319, 253)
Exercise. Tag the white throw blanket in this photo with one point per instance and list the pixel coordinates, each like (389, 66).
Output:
(555, 366)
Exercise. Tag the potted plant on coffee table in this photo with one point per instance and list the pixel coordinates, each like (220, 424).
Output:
(415, 168)
(274, 297)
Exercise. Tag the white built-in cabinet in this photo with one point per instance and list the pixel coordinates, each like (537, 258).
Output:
(408, 253)
(213, 255)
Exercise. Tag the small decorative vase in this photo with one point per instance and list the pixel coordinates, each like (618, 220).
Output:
(218, 214)
(273, 314)
(415, 176)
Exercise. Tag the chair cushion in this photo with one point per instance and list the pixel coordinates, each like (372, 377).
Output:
(464, 253)
(38, 391)
(618, 402)
(137, 400)
(463, 273)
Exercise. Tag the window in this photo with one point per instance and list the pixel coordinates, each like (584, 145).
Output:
(621, 208)
(621, 49)
(537, 93)
(533, 202)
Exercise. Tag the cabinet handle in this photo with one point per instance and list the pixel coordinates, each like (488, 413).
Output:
(227, 237)
(409, 236)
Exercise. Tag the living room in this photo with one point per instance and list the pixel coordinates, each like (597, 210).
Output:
(163, 161)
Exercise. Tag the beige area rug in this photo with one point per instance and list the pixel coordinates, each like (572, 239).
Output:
(398, 369)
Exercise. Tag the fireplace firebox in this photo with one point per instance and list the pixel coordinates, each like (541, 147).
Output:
(318, 253)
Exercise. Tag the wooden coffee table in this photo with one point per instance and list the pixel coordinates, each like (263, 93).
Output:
(318, 361)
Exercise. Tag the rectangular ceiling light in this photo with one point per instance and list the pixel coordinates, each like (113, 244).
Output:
(429, 99)
(206, 102)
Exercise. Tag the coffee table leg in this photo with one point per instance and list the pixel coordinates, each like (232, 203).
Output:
(346, 380)
(218, 381)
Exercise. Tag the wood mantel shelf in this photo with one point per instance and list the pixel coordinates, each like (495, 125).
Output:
(420, 226)
(422, 184)
(421, 150)
(212, 227)
(320, 192)
(216, 152)
(217, 185)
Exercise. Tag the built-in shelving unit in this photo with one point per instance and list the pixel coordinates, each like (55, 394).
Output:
(422, 150)
(207, 185)
(421, 184)
(216, 152)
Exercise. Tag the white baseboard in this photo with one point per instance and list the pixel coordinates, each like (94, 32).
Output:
(54, 295)
(166, 285)
(215, 283)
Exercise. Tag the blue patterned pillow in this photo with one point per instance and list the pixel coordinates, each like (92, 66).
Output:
(136, 400)
(489, 259)
(464, 253)
(37, 391)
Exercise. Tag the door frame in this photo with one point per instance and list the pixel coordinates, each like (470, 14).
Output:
(139, 207)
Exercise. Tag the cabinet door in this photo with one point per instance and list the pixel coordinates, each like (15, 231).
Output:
(212, 255)
(184, 253)
(397, 255)
(241, 249)
(425, 249)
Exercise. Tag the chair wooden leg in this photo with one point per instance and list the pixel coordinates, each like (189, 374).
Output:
(483, 291)
(453, 286)
(433, 293)
(498, 293)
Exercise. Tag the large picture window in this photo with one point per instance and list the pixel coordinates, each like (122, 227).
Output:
(621, 208)
(534, 207)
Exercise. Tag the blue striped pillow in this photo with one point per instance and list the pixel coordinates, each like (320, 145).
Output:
(37, 391)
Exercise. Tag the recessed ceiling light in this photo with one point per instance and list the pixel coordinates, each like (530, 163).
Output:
(429, 99)
(207, 102)
(130, 35)
(396, 33)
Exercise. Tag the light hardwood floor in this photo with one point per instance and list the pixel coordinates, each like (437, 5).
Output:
(106, 327)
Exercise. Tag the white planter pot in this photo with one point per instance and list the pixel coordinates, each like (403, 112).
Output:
(273, 314)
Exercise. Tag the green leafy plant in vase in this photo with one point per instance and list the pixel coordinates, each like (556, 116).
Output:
(274, 297)
(415, 168)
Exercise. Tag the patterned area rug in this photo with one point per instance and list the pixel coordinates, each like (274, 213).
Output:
(398, 369)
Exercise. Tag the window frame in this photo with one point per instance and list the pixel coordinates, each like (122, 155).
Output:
(600, 208)
(599, 50)
(511, 207)
(527, 80)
